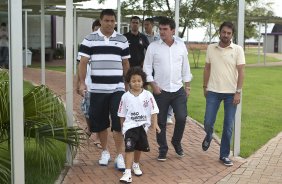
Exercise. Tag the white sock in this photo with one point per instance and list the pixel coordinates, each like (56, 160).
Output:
(127, 171)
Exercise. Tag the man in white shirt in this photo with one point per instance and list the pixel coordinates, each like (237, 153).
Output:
(168, 57)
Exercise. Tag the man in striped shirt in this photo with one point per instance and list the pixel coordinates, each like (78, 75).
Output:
(108, 52)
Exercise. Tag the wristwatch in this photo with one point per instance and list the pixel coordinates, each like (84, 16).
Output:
(238, 90)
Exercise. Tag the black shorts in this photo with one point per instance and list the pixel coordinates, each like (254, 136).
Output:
(136, 139)
(101, 106)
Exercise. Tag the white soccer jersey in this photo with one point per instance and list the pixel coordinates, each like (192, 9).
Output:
(137, 110)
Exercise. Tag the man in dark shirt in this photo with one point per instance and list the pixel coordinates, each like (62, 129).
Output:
(138, 43)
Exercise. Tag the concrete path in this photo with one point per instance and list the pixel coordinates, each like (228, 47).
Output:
(196, 167)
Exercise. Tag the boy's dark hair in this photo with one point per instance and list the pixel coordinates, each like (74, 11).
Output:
(229, 25)
(135, 18)
(108, 12)
(3, 24)
(95, 23)
(167, 21)
(135, 71)
(151, 20)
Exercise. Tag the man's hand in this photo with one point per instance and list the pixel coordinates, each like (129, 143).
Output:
(156, 89)
(237, 98)
(187, 91)
(205, 91)
(82, 89)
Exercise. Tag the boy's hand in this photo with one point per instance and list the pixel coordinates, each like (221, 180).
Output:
(157, 128)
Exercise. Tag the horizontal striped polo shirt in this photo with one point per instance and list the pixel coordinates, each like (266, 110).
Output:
(105, 55)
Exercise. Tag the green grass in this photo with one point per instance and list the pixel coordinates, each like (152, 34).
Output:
(35, 175)
(250, 54)
(27, 87)
(261, 108)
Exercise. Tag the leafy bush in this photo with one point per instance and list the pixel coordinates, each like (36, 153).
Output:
(44, 126)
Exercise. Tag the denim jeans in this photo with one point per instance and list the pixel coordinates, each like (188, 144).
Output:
(178, 102)
(213, 101)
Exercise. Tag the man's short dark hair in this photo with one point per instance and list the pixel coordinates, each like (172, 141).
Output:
(229, 25)
(167, 21)
(108, 12)
(135, 18)
(136, 70)
(151, 20)
(3, 24)
(96, 23)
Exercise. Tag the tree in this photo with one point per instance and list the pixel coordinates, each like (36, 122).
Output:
(195, 13)
(44, 125)
(227, 11)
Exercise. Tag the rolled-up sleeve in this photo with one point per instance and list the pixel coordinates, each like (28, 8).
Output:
(148, 64)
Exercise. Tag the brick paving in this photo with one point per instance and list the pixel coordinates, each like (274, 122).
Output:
(265, 166)
(197, 166)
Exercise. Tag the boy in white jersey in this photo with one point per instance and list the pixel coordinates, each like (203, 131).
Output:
(137, 111)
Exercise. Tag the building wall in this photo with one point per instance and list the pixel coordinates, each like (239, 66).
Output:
(83, 28)
(280, 44)
(270, 44)
(34, 31)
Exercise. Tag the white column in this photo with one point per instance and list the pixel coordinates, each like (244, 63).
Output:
(16, 92)
(25, 33)
(74, 39)
(69, 69)
(237, 126)
(265, 43)
(259, 42)
(177, 4)
(118, 16)
(42, 16)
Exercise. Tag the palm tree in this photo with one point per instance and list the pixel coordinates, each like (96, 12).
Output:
(44, 126)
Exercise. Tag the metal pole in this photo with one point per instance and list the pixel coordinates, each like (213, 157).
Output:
(259, 42)
(42, 16)
(210, 31)
(16, 92)
(265, 43)
(118, 16)
(69, 70)
(74, 39)
(237, 126)
(25, 33)
(177, 4)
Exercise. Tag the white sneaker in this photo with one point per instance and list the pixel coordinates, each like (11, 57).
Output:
(169, 120)
(119, 163)
(136, 169)
(105, 158)
(126, 178)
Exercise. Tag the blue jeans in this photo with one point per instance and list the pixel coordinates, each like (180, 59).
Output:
(178, 101)
(213, 101)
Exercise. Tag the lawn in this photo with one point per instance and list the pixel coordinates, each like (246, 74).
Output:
(261, 108)
(250, 54)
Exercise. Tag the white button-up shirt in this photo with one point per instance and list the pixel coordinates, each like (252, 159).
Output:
(170, 64)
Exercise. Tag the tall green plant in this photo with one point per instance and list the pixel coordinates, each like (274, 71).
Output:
(44, 125)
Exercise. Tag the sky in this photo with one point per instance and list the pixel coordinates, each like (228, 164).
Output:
(195, 34)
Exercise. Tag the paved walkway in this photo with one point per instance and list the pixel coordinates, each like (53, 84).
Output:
(196, 167)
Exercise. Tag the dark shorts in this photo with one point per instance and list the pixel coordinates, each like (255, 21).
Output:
(101, 106)
(136, 139)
